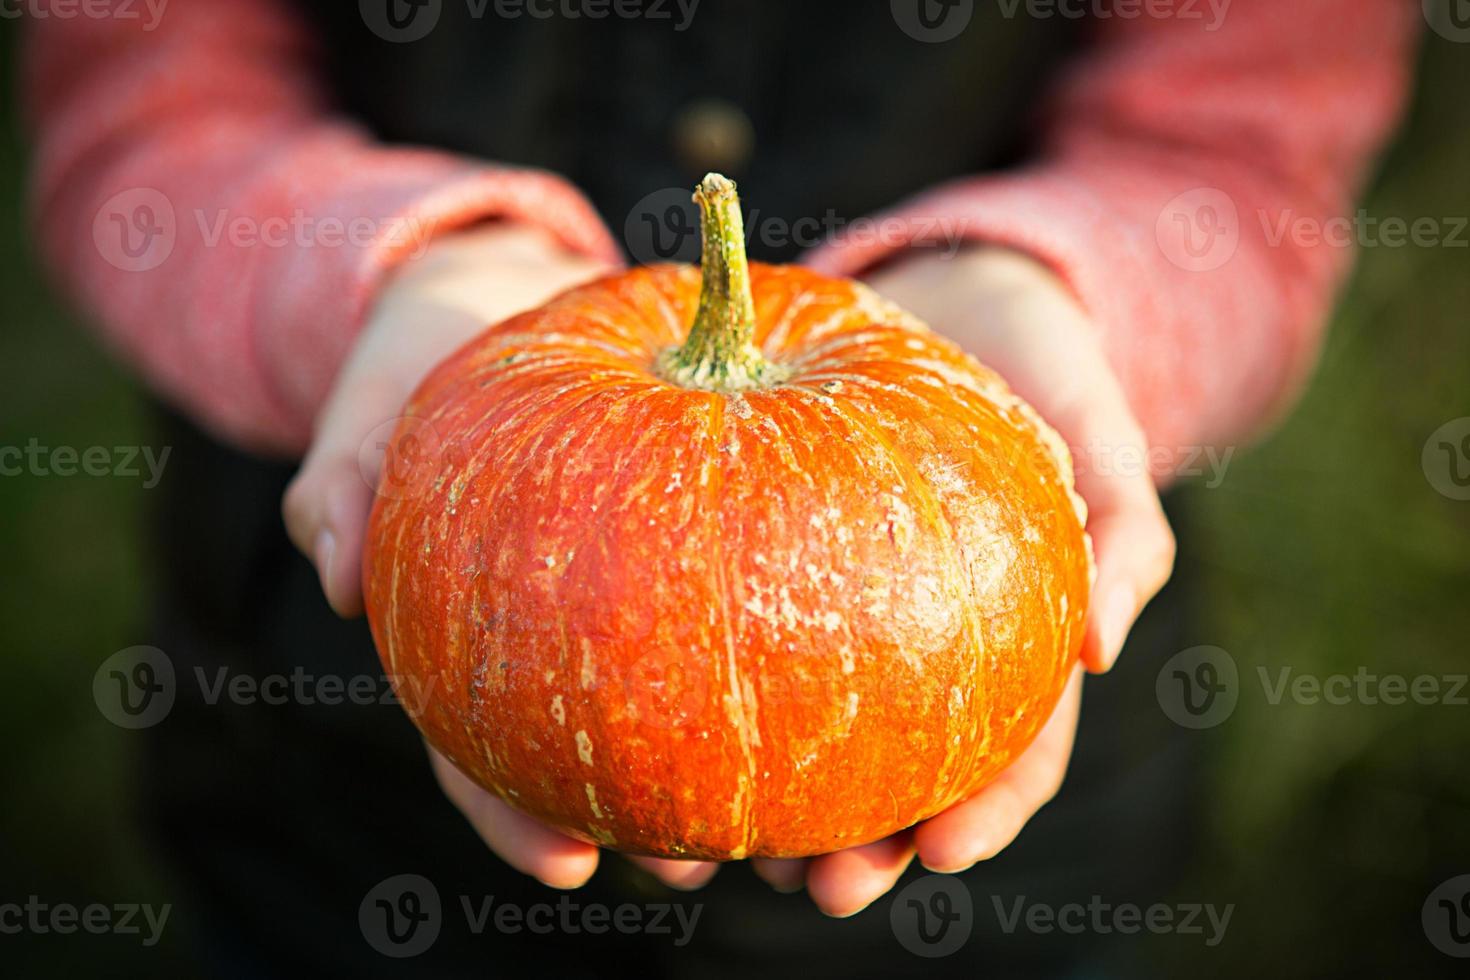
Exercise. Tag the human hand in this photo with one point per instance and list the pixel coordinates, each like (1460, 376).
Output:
(462, 284)
(1017, 317)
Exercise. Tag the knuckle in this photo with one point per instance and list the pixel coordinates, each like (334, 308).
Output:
(1161, 553)
(1167, 548)
(298, 507)
(293, 504)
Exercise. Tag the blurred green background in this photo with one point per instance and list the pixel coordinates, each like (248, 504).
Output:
(1326, 548)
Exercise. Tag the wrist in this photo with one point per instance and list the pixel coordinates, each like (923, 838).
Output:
(987, 290)
(494, 242)
(485, 273)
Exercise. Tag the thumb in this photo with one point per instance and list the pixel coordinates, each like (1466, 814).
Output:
(327, 505)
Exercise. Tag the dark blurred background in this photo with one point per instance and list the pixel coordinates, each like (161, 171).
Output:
(1327, 548)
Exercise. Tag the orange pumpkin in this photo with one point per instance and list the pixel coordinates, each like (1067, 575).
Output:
(787, 586)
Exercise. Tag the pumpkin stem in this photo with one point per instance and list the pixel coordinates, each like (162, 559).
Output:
(719, 354)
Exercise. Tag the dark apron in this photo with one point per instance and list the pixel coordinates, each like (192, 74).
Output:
(280, 819)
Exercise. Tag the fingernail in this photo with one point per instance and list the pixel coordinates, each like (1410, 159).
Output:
(787, 887)
(326, 544)
(845, 915)
(957, 869)
(691, 884)
(1117, 617)
(686, 886)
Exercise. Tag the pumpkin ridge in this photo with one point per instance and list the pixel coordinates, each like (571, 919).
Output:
(746, 782)
(922, 397)
(800, 414)
(508, 481)
(966, 598)
(648, 403)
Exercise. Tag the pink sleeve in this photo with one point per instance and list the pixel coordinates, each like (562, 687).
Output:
(194, 190)
(1186, 165)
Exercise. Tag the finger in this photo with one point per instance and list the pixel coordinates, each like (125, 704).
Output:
(683, 875)
(326, 507)
(1131, 540)
(1135, 556)
(525, 844)
(846, 882)
(986, 823)
(326, 510)
(783, 874)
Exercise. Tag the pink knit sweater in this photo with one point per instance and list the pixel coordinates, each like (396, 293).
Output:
(228, 230)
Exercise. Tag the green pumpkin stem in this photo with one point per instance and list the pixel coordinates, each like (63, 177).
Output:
(719, 354)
